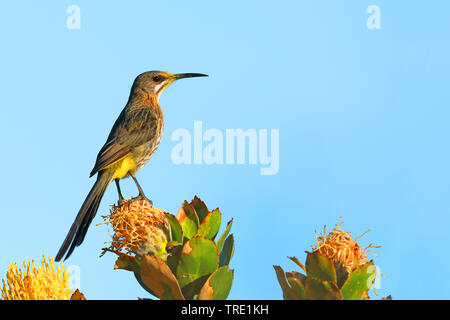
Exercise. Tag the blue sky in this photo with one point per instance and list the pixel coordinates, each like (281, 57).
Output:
(362, 118)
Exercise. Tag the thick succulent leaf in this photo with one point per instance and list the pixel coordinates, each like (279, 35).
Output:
(297, 262)
(192, 289)
(298, 288)
(200, 208)
(222, 238)
(288, 292)
(218, 285)
(175, 228)
(359, 282)
(297, 282)
(210, 225)
(127, 262)
(77, 295)
(173, 257)
(158, 277)
(320, 267)
(341, 274)
(188, 219)
(227, 251)
(322, 290)
(199, 257)
(297, 275)
(137, 275)
(172, 244)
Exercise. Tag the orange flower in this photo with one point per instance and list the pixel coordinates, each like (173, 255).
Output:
(339, 246)
(138, 228)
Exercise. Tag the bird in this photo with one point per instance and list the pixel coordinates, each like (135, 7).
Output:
(133, 140)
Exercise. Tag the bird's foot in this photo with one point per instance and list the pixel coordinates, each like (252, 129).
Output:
(143, 197)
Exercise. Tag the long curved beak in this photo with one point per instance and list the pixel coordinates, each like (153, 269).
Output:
(189, 75)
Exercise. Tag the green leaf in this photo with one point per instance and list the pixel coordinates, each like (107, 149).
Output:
(173, 257)
(129, 263)
(192, 289)
(298, 284)
(341, 274)
(200, 208)
(227, 251)
(218, 285)
(137, 275)
(157, 276)
(359, 282)
(320, 267)
(175, 228)
(288, 292)
(222, 238)
(188, 219)
(172, 244)
(210, 225)
(199, 257)
(322, 290)
(297, 262)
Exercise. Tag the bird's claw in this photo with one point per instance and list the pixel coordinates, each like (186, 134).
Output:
(143, 197)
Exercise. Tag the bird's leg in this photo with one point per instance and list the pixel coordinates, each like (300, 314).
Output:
(121, 199)
(141, 192)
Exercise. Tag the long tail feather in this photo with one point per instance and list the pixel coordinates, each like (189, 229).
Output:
(87, 212)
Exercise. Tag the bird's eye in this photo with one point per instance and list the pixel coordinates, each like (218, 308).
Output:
(157, 79)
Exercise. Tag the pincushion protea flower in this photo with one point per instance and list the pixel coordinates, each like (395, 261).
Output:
(138, 228)
(173, 257)
(337, 269)
(46, 282)
(341, 248)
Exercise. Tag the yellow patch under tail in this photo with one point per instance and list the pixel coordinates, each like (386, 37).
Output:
(122, 167)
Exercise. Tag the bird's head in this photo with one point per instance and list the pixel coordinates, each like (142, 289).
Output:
(154, 82)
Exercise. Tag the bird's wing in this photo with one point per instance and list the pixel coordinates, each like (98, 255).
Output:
(131, 129)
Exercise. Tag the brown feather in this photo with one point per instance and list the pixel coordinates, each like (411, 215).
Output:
(133, 128)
